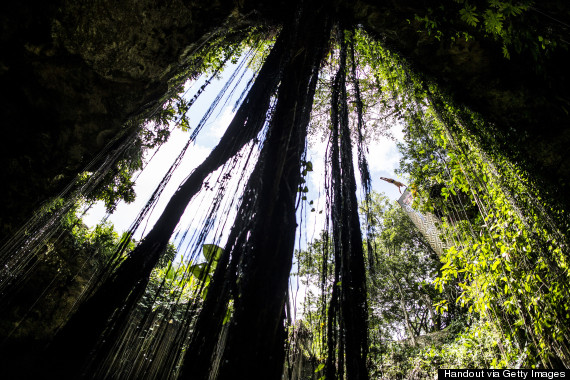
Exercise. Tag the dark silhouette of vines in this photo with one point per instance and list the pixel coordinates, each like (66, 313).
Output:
(117, 290)
(347, 242)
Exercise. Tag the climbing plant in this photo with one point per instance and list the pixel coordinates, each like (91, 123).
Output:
(511, 260)
(505, 264)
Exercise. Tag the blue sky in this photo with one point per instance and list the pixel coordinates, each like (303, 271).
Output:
(383, 159)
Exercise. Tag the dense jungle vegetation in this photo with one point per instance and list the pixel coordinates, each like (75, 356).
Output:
(469, 269)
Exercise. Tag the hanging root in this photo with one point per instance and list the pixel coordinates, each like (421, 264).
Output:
(349, 301)
(88, 324)
(261, 246)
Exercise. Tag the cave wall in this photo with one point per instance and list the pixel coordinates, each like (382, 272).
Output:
(524, 98)
(72, 72)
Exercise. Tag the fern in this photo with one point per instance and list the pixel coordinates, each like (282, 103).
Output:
(469, 15)
(493, 22)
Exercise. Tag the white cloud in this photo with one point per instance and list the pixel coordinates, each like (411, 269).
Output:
(383, 156)
(383, 153)
(220, 124)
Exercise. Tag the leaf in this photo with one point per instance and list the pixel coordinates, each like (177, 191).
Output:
(212, 252)
(206, 286)
(469, 15)
(199, 271)
(320, 367)
(227, 317)
(493, 22)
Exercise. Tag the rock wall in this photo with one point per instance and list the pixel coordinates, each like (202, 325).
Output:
(525, 98)
(72, 72)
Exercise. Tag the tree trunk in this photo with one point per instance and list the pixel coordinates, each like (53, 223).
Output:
(255, 345)
(86, 327)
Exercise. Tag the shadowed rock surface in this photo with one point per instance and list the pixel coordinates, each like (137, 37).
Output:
(72, 73)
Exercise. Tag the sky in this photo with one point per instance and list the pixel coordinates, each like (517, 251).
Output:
(383, 159)
(159, 160)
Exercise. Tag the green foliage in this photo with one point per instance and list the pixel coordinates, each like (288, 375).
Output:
(168, 256)
(507, 253)
(469, 14)
(173, 284)
(117, 184)
(63, 270)
(476, 346)
(509, 23)
(100, 241)
(508, 259)
(204, 272)
(403, 301)
(169, 291)
(401, 296)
